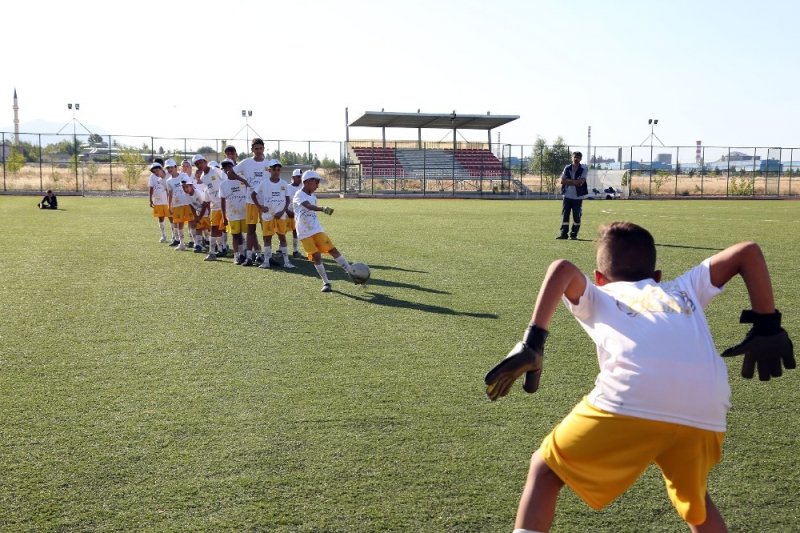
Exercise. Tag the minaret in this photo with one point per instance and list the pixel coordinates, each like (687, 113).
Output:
(16, 118)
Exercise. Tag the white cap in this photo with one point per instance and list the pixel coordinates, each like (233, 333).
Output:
(213, 164)
(187, 179)
(170, 163)
(310, 175)
(155, 166)
(273, 162)
(297, 172)
(226, 162)
(198, 157)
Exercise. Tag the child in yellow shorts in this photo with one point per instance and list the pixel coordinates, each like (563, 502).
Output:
(315, 241)
(662, 394)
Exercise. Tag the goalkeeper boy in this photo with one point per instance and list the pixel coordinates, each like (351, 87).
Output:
(662, 394)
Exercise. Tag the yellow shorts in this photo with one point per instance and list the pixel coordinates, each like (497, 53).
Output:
(182, 214)
(217, 221)
(160, 210)
(290, 225)
(203, 224)
(253, 215)
(600, 454)
(271, 227)
(237, 226)
(319, 242)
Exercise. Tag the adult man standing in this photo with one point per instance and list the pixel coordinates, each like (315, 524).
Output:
(254, 171)
(574, 189)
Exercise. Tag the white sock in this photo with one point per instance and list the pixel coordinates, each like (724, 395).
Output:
(180, 235)
(321, 270)
(284, 252)
(520, 530)
(250, 254)
(267, 250)
(294, 243)
(225, 239)
(343, 263)
(174, 229)
(161, 227)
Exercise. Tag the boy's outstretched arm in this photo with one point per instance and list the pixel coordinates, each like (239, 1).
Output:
(562, 279)
(767, 345)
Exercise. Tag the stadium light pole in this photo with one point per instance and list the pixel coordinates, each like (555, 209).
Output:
(652, 122)
(74, 107)
(245, 114)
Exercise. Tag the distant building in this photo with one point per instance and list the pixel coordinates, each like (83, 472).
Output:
(740, 156)
(770, 165)
(665, 159)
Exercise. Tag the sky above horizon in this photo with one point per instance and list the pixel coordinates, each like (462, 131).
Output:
(724, 72)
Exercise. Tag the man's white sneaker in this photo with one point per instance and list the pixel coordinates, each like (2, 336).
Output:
(288, 264)
(181, 247)
(265, 264)
(210, 257)
(326, 287)
(162, 239)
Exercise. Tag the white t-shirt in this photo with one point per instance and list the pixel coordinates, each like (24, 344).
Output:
(159, 190)
(172, 184)
(292, 190)
(273, 195)
(234, 193)
(306, 221)
(254, 172)
(198, 197)
(213, 181)
(657, 358)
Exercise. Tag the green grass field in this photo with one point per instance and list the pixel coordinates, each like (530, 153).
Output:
(142, 388)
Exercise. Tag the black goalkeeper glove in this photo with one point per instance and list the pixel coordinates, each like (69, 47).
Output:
(766, 346)
(526, 357)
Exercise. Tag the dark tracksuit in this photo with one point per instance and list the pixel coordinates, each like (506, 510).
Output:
(572, 205)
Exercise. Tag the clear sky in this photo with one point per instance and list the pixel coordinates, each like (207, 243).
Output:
(724, 72)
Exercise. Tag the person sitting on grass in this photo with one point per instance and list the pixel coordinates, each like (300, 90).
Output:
(662, 394)
(314, 239)
(49, 201)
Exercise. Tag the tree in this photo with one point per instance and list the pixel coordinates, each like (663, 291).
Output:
(95, 139)
(15, 161)
(134, 164)
(550, 161)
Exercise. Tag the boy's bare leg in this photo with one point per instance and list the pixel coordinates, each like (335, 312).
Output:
(537, 505)
(714, 522)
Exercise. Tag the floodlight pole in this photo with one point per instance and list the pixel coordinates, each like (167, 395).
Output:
(74, 107)
(245, 114)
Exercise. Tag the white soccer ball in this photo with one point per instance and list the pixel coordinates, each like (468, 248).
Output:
(360, 273)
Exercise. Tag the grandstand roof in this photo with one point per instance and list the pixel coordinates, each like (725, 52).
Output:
(445, 121)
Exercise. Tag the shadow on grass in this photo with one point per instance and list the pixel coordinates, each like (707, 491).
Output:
(382, 299)
(689, 247)
(335, 273)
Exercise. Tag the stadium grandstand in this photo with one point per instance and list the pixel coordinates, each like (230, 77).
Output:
(423, 167)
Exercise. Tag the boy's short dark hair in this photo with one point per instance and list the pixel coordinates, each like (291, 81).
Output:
(578, 154)
(158, 160)
(230, 148)
(626, 252)
(257, 141)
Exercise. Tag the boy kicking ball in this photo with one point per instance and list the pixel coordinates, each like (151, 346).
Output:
(314, 239)
(662, 394)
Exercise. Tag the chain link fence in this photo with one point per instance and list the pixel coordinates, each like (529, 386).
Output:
(118, 164)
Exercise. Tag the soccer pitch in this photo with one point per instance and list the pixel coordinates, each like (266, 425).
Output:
(143, 388)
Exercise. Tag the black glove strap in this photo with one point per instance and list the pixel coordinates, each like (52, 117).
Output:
(534, 337)
(763, 324)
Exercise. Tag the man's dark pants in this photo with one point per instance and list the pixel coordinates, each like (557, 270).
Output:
(575, 207)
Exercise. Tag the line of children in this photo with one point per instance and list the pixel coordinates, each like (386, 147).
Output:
(218, 199)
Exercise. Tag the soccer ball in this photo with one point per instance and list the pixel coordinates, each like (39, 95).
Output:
(360, 273)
